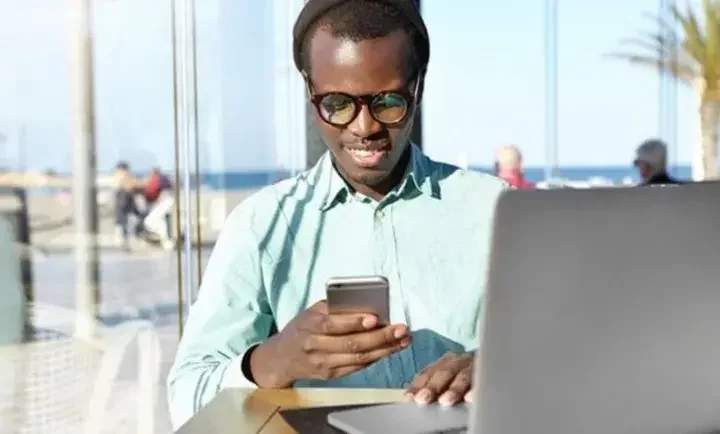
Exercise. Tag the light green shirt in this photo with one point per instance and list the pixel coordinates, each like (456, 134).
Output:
(430, 238)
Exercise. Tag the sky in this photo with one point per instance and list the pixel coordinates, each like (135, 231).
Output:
(485, 85)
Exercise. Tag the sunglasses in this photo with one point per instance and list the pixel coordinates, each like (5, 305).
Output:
(388, 107)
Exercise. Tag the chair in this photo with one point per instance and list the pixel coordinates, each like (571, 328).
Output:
(58, 382)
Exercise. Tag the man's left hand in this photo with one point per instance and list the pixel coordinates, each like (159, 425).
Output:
(447, 381)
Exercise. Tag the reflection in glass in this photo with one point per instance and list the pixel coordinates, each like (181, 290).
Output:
(63, 131)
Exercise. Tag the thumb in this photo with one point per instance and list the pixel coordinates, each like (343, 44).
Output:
(319, 307)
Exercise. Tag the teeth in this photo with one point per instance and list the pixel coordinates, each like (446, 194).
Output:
(362, 152)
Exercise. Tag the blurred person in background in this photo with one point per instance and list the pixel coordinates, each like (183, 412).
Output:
(651, 163)
(159, 201)
(126, 187)
(509, 167)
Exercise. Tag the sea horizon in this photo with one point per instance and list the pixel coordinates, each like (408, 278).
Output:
(243, 179)
(258, 178)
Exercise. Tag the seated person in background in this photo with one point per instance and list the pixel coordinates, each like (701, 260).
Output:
(509, 167)
(373, 205)
(126, 187)
(651, 163)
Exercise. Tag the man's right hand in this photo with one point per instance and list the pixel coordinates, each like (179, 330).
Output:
(319, 346)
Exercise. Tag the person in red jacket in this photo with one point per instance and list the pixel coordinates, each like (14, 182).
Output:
(509, 167)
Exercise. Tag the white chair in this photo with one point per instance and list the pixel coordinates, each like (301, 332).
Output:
(60, 383)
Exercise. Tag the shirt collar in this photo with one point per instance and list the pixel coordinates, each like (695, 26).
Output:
(418, 178)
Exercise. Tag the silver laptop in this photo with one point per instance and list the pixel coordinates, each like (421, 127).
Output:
(602, 317)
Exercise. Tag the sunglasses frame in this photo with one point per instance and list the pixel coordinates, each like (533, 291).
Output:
(364, 100)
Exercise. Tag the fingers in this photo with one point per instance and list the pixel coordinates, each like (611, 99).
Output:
(327, 366)
(458, 388)
(437, 382)
(419, 381)
(320, 324)
(448, 379)
(342, 360)
(367, 341)
(469, 395)
(423, 378)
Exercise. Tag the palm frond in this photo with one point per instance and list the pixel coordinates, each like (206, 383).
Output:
(694, 43)
(659, 23)
(691, 54)
(652, 43)
(691, 26)
(681, 71)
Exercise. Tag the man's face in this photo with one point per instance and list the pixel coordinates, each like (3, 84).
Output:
(644, 169)
(365, 151)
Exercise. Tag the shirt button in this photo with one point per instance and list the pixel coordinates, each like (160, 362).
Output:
(379, 214)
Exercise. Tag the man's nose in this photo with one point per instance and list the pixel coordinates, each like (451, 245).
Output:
(364, 124)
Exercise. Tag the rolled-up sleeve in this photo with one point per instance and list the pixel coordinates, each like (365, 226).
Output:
(230, 315)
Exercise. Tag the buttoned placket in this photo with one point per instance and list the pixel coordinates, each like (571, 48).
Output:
(387, 264)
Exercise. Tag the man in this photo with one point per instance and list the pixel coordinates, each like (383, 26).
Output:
(509, 167)
(651, 163)
(126, 187)
(373, 205)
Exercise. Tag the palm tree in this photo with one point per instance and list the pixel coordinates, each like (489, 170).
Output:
(693, 58)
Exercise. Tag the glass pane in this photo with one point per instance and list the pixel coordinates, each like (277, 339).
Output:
(90, 245)
(609, 106)
(595, 92)
(546, 81)
(485, 84)
(250, 106)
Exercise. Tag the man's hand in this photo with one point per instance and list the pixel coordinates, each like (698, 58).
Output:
(319, 346)
(448, 380)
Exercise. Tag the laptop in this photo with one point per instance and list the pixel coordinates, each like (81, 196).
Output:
(602, 317)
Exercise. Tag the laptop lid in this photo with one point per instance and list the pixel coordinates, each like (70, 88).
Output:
(603, 313)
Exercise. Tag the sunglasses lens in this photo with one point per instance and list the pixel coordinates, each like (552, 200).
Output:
(389, 107)
(337, 109)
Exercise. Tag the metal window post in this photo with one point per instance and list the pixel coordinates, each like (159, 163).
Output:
(416, 134)
(667, 91)
(84, 190)
(551, 89)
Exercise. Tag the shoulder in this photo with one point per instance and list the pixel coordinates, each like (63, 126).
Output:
(271, 202)
(463, 183)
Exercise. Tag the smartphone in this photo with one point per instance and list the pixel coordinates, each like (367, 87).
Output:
(359, 294)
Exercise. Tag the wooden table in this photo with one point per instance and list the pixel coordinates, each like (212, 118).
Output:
(244, 411)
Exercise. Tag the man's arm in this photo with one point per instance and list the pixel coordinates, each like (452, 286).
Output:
(230, 315)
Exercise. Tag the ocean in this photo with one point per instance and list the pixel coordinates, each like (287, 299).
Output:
(616, 174)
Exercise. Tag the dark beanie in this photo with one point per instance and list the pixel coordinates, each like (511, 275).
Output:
(313, 9)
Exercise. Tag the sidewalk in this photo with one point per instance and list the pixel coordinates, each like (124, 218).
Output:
(140, 285)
